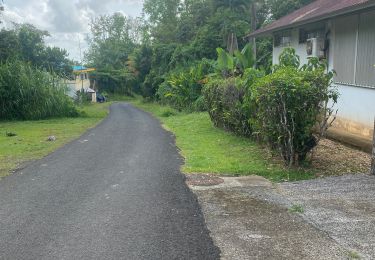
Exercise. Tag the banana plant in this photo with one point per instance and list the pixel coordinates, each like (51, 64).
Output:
(230, 65)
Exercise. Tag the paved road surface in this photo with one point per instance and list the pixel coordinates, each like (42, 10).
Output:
(115, 193)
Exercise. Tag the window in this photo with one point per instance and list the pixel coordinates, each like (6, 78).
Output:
(305, 34)
(282, 39)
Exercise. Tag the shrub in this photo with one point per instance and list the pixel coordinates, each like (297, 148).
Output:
(151, 84)
(183, 89)
(225, 103)
(290, 102)
(28, 93)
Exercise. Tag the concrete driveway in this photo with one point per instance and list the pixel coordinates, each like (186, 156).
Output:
(251, 218)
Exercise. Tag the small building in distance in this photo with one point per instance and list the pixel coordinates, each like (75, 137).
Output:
(81, 81)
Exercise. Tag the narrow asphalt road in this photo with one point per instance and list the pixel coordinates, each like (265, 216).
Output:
(115, 193)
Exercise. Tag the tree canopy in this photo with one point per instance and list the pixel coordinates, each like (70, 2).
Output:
(172, 35)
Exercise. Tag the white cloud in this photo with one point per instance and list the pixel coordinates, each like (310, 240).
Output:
(66, 20)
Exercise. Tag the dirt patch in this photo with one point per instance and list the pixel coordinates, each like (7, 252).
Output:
(203, 180)
(333, 158)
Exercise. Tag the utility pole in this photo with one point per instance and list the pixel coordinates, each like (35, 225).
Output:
(253, 29)
(373, 153)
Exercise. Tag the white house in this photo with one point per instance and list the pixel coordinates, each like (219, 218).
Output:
(343, 33)
(81, 82)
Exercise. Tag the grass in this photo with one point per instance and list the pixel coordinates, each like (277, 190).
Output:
(296, 209)
(353, 255)
(207, 149)
(29, 141)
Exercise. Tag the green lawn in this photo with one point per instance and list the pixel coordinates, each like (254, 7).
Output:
(31, 140)
(210, 150)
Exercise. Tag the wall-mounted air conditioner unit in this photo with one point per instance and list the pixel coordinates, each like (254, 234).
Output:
(315, 47)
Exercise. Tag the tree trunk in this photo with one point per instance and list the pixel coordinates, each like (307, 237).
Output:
(253, 29)
(373, 154)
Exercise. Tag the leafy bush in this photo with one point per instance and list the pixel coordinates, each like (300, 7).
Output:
(29, 93)
(224, 99)
(183, 89)
(228, 65)
(290, 103)
(151, 84)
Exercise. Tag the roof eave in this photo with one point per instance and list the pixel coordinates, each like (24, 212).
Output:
(313, 20)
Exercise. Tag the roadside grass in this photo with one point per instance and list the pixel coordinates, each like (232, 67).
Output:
(207, 149)
(30, 140)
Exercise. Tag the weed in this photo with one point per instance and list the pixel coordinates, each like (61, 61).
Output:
(168, 113)
(296, 209)
(353, 255)
(10, 134)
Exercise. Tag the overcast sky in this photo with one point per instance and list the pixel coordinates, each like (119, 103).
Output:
(66, 20)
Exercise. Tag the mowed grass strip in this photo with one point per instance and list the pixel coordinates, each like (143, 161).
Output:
(30, 142)
(207, 149)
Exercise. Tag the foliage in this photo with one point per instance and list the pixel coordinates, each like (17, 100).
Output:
(183, 89)
(113, 39)
(226, 102)
(209, 149)
(151, 84)
(233, 65)
(29, 93)
(25, 42)
(296, 208)
(113, 81)
(290, 103)
(288, 58)
(280, 8)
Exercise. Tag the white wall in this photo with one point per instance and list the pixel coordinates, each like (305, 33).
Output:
(355, 104)
(300, 48)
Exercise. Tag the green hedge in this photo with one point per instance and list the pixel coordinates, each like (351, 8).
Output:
(283, 108)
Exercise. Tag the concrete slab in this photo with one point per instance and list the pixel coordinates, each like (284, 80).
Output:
(248, 218)
(343, 207)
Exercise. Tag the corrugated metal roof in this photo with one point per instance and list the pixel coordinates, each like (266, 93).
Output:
(317, 10)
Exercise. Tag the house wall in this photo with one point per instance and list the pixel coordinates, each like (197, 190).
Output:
(300, 48)
(356, 104)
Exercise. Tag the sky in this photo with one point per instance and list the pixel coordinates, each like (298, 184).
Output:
(66, 20)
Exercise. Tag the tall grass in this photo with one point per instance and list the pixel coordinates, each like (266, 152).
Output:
(28, 93)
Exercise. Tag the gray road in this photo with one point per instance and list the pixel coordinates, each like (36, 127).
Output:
(115, 193)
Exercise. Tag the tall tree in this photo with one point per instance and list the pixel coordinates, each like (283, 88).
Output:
(31, 41)
(163, 18)
(111, 41)
(280, 8)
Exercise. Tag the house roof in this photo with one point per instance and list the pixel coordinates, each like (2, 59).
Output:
(76, 68)
(316, 11)
(82, 69)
